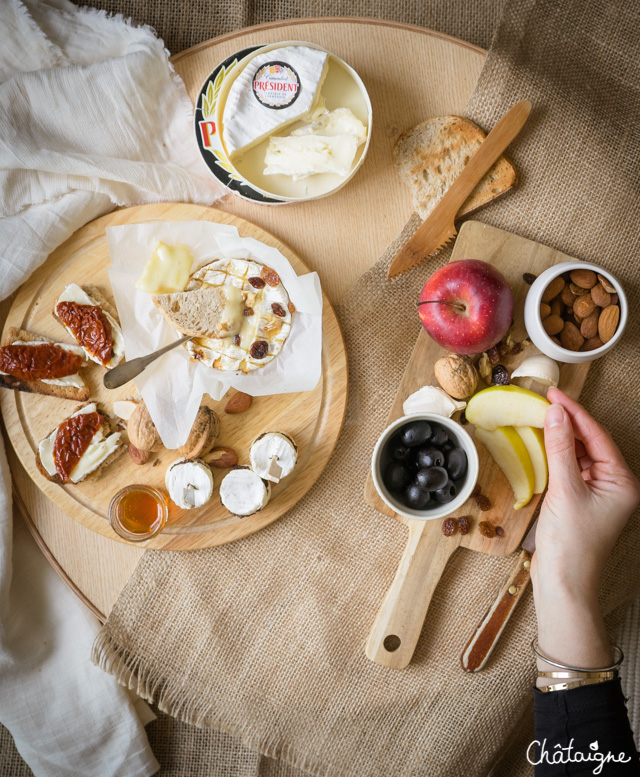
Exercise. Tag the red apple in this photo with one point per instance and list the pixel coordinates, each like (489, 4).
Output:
(466, 306)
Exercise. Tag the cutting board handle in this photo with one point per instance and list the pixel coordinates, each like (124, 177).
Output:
(397, 626)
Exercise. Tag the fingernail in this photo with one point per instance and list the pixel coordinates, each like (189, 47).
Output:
(555, 416)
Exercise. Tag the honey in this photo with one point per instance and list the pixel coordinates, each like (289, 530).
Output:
(138, 512)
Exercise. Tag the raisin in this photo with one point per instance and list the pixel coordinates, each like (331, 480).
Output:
(449, 527)
(247, 312)
(500, 375)
(486, 529)
(278, 310)
(516, 348)
(529, 277)
(270, 276)
(503, 348)
(257, 283)
(464, 524)
(499, 531)
(483, 502)
(476, 491)
(292, 307)
(463, 419)
(259, 349)
(237, 339)
(494, 356)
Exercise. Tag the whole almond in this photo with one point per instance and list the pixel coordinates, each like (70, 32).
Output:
(587, 279)
(557, 307)
(567, 296)
(584, 306)
(591, 344)
(137, 456)
(589, 326)
(608, 323)
(577, 290)
(606, 285)
(556, 341)
(614, 299)
(553, 325)
(570, 337)
(221, 457)
(239, 403)
(553, 289)
(545, 310)
(577, 320)
(600, 296)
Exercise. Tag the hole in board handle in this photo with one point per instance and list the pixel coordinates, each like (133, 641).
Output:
(392, 643)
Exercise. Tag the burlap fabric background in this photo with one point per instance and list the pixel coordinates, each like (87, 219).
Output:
(265, 639)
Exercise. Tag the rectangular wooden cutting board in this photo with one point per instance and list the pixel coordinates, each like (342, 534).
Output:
(513, 256)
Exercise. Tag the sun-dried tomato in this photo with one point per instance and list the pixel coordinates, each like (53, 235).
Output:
(486, 529)
(449, 527)
(278, 310)
(270, 276)
(259, 349)
(257, 283)
(464, 524)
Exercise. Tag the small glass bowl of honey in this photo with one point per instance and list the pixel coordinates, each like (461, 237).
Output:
(138, 512)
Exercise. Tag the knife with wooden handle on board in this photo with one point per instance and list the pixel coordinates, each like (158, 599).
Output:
(480, 646)
(439, 228)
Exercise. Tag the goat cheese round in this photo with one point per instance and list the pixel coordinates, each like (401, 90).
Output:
(273, 456)
(189, 483)
(243, 492)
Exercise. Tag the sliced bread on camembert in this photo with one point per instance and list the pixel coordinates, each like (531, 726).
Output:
(237, 310)
(80, 447)
(30, 362)
(92, 322)
(431, 155)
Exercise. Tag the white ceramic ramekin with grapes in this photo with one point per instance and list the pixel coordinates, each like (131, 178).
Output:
(533, 320)
(381, 458)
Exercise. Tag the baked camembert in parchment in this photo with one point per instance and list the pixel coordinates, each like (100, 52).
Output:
(238, 312)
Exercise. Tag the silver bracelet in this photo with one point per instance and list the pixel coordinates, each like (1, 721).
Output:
(616, 665)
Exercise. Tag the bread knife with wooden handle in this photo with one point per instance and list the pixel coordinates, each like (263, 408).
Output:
(480, 646)
(439, 228)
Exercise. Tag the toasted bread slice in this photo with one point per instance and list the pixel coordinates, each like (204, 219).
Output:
(96, 473)
(97, 297)
(198, 313)
(39, 386)
(431, 156)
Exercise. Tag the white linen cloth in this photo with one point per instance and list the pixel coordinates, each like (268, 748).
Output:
(91, 116)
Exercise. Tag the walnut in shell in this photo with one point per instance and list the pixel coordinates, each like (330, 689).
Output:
(203, 434)
(142, 432)
(457, 375)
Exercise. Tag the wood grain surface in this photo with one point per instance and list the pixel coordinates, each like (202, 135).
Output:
(397, 626)
(312, 418)
(425, 74)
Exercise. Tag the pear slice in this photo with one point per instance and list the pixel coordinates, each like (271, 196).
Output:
(510, 454)
(533, 440)
(506, 406)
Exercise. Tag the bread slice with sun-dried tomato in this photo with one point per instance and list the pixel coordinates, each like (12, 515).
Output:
(112, 444)
(63, 389)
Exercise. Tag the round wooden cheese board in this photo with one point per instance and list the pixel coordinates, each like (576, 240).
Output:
(313, 419)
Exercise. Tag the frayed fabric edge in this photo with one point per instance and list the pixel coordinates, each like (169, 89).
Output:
(172, 699)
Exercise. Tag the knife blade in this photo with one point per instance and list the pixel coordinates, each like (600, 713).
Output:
(439, 227)
(481, 645)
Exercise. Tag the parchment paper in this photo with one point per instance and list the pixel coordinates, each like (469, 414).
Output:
(172, 387)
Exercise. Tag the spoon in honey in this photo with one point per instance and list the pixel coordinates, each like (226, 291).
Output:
(127, 371)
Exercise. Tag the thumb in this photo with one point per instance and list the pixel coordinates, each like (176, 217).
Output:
(559, 441)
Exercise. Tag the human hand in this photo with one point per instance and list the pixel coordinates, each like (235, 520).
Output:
(591, 494)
